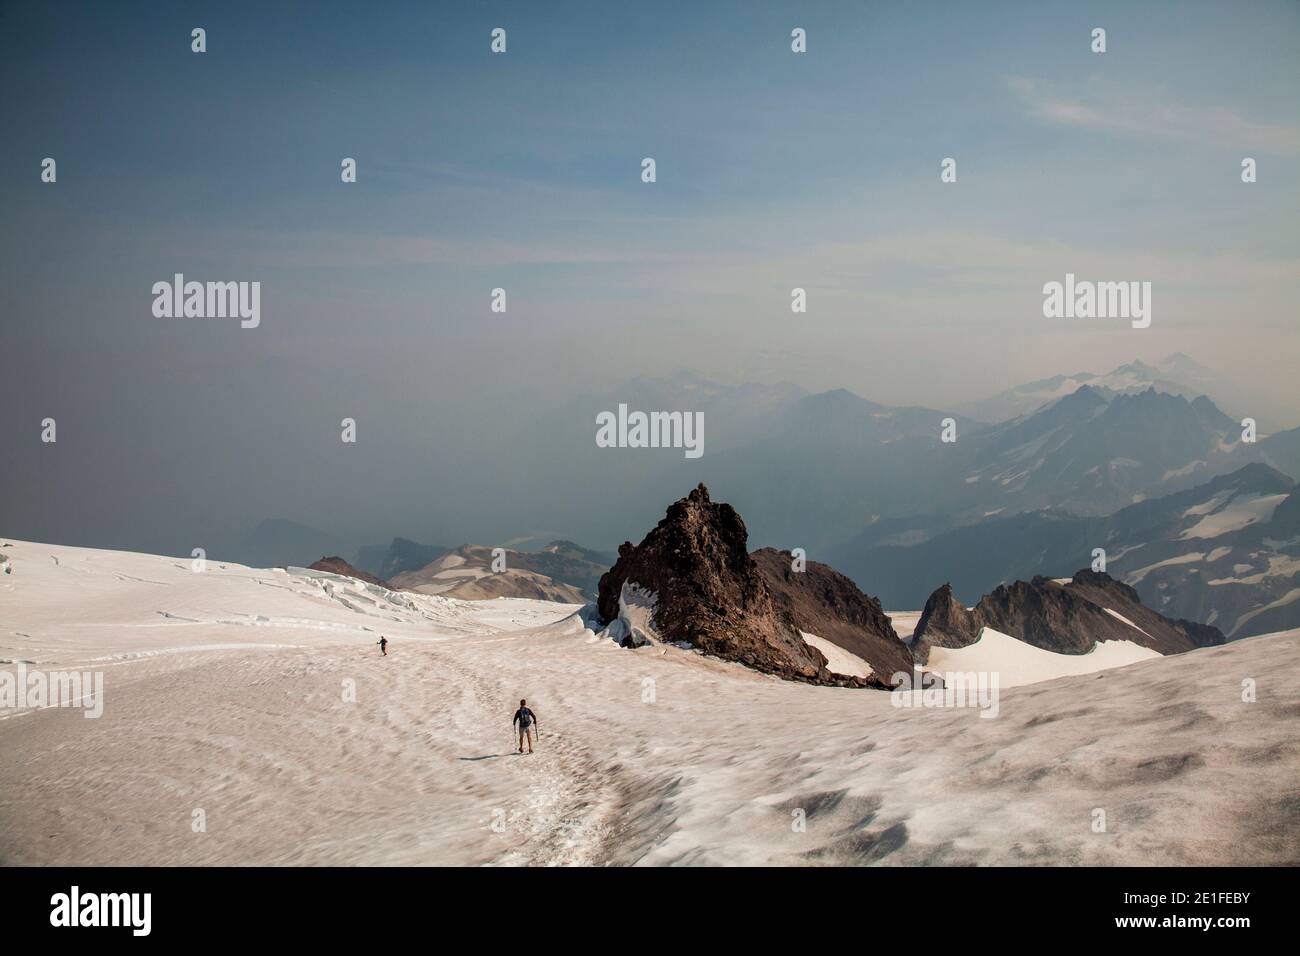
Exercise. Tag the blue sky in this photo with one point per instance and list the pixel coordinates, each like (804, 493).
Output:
(522, 169)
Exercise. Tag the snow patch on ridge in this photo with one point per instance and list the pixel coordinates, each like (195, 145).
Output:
(1135, 578)
(1234, 516)
(1018, 663)
(1120, 617)
(838, 660)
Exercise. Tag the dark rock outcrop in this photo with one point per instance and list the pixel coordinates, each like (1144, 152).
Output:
(944, 622)
(336, 565)
(709, 593)
(826, 603)
(1200, 635)
(1067, 618)
(1160, 633)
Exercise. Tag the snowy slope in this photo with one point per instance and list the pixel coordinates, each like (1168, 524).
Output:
(226, 692)
(1018, 663)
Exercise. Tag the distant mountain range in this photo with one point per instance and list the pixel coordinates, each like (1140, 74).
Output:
(818, 471)
(1093, 452)
(401, 554)
(1226, 553)
(872, 489)
(815, 470)
(834, 465)
(561, 571)
(1175, 374)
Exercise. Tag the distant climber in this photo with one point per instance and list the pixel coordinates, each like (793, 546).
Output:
(527, 721)
(383, 645)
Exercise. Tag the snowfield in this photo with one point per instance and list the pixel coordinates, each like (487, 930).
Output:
(248, 717)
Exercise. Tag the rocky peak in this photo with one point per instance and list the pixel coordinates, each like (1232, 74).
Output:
(944, 622)
(708, 592)
(336, 565)
(1067, 618)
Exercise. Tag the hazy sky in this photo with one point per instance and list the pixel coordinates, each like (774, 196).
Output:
(522, 171)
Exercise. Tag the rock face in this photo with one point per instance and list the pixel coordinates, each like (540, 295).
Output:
(826, 603)
(337, 565)
(706, 591)
(1166, 635)
(1068, 618)
(944, 623)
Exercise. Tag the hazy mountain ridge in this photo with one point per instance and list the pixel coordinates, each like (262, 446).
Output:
(841, 475)
(813, 470)
(836, 462)
(563, 572)
(1176, 374)
(1092, 455)
(401, 554)
(1214, 553)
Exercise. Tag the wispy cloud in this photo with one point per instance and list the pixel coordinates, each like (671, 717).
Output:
(927, 263)
(370, 250)
(1139, 112)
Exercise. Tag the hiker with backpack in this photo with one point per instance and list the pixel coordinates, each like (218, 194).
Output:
(527, 721)
(383, 645)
